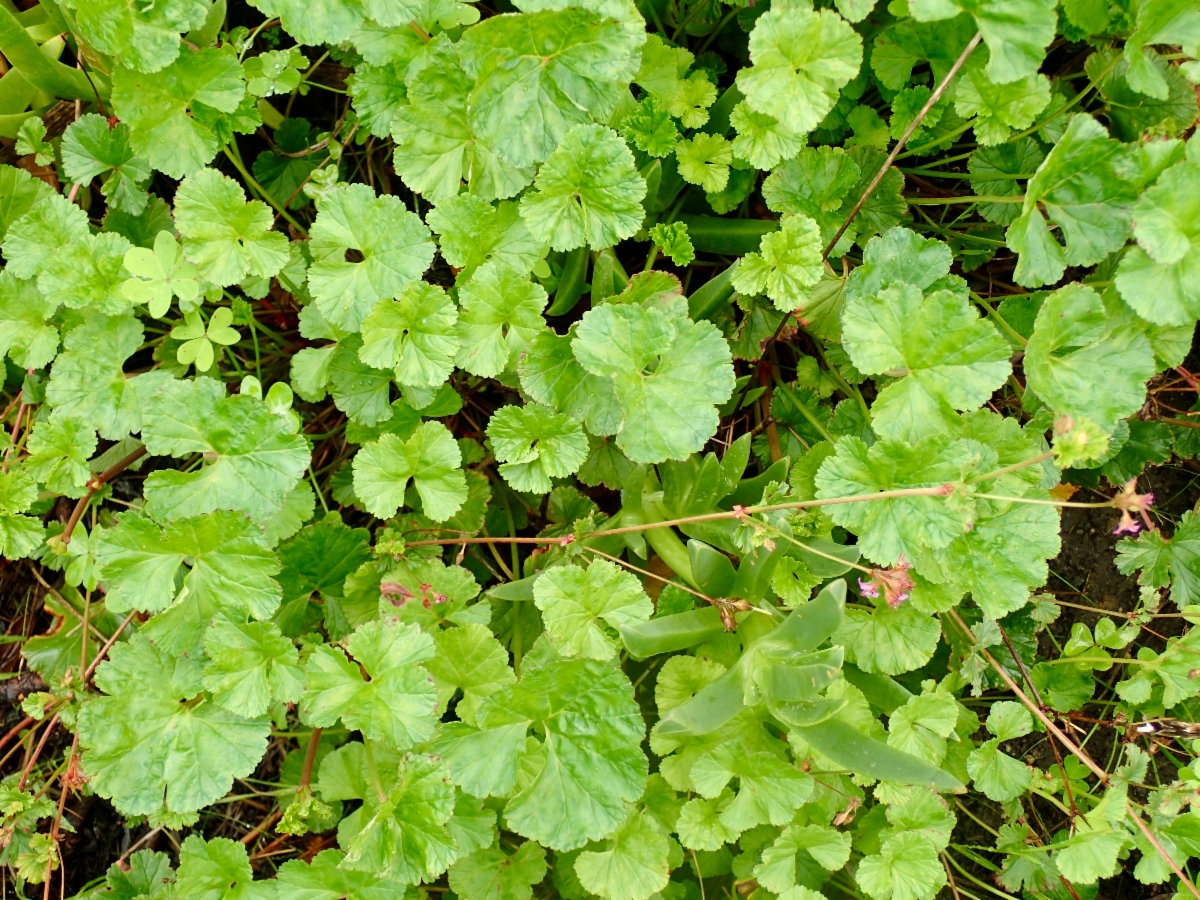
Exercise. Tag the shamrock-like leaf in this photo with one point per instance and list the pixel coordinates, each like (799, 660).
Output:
(198, 337)
(430, 458)
(587, 192)
(274, 72)
(413, 334)
(394, 701)
(253, 457)
(801, 59)
(574, 601)
(142, 738)
(952, 359)
(667, 374)
(162, 273)
(535, 444)
(501, 314)
(156, 108)
(704, 160)
(392, 244)
(226, 237)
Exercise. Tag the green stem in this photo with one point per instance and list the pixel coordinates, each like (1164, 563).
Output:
(995, 314)
(804, 411)
(953, 201)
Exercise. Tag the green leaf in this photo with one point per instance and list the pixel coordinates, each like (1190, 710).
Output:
(990, 168)
(143, 38)
(145, 746)
(651, 129)
(430, 458)
(20, 535)
(472, 231)
(891, 641)
(1083, 366)
(540, 73)
(213, 870)
(908, 868)
(704, 159)
(788, 265)
(392, 243)
(674, 242)
(19, 192)
(1162, 561)
(156, 108)
(587, 192)
(897, 526)
(668, 375)
(1081, 188)
(250, 666)
(534, 444)
(761, 140)
(274, 72)
(501, 314)
(25, 335)
(1163, 22)
(326, 879)
(470, 659)
(795, 847)
(253, 457)
(591, 763)
(952, 359)
(437, 146)
(225, 236)
(360, 391)
(397, 704)
(551, 375)
(801, 59)
(630, 865)
(491, 874)
(1000, 108)
(1157, 278)
(90, 148)
(920, 727)
(996, 774)
(88, 381)
(59, 450)
(1016, 32)
(162, 273)
(574, 601)
(770, 789)
(413, 335)
(699, 826)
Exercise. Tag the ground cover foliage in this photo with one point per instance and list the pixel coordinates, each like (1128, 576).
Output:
(597, 448)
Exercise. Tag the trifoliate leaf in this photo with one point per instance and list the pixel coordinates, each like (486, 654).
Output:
(501, 314)
(651, 129)
(801, 59)
(253, 457)
(436, 146)
(1083, 366)
(992, 169)
(391, 242)
(999, 108)
(430, 458)
(59, 450)
(551, 375)
(250, 666)
(470, 659)
(762, 140)
(952, 359)
(145, 746)
(1016, 32)
(534, 444)
(225, 236)
(162, 273)
(573, 601)
(492, 874)
(88, 383)
(691, 102)
(397, 705)
(669, 408)
(540, 73)
(787, 265)
(1157, 278)
(274, 72)
(898, 526)
(593, 763)
(704, 160)
(413, 335)
(156, 108)
(472, 231)
(229, 565)
(1081, 188)
(587, 192)
(91, 148)
(630, 865)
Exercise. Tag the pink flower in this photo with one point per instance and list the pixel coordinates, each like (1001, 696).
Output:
(896, 583)
(1128, 501)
